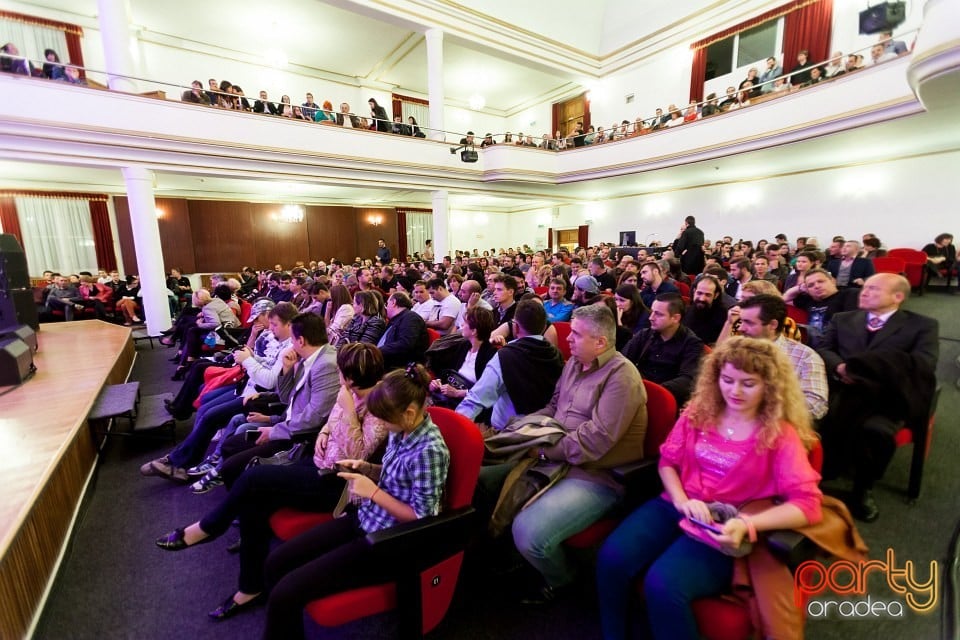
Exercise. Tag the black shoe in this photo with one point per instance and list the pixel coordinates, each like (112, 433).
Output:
(174, 541)
(168, 332)
(230, 607)
(864, 507)
(167, 341)
(180, 373)
(177, 357)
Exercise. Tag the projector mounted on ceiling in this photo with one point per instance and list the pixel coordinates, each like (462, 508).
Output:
(882, 17)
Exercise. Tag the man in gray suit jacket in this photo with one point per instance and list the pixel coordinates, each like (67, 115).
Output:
(308, 385)
(883, 361)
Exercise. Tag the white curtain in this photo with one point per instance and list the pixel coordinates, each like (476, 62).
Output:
(419, 111)
(32, 40)
(419, 230)
(57, 235)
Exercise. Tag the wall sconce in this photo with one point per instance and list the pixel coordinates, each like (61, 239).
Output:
(159, 212)
(289, 213)
(375, 219)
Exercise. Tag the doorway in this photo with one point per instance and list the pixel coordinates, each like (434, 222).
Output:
(568, 239)
(568, 113)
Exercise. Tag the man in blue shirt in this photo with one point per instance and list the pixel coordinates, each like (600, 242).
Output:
(559, 309)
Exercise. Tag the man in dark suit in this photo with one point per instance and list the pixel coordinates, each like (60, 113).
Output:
(688, 247)
(883, 362)
(263, 105)
(849, 270)
(405, 339)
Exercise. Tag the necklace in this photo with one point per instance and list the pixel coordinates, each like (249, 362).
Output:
(728, 432)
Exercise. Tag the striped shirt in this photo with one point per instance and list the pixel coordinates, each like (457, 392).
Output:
(414, 472)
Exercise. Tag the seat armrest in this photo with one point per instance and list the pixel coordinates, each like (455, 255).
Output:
(423, 542)
(790, 547)
(641, 479)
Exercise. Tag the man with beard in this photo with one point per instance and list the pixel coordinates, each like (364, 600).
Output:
(707, 315)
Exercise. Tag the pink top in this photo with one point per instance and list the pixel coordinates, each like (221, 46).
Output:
(350, 443)
(712, 468)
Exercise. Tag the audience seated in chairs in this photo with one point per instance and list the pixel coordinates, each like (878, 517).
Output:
(214, 314)
(126, 300)
(748, 407)
(818, 295)
(367, 324)
(465, 354)
(63, 296)
(261, 361)
(405, 339)
(311, 484)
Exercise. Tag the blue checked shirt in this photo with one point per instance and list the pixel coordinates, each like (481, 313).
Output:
(414, 472)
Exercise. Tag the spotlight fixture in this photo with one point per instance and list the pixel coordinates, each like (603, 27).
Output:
(291, 213)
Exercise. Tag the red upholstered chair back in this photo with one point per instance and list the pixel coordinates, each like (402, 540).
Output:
(889, 265)
(563, 331)
(541, 290)
(432, 335)
(683, 287)
(910, 256)
(797, 314)
(466, 453)
(661, 416)
(245, 308)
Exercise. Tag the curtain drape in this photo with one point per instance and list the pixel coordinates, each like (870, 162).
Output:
(773, 14)
(583, 235)
(8, 218)
(419, 229)
(70, 51)
(57, 234)
(807, 28)
(32, 40)
(401, 234)
(406, 106)
(698, 73)
(102, 235)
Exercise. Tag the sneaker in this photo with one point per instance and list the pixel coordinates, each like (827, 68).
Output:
(204, 467)
(207, 483)
(162, 467)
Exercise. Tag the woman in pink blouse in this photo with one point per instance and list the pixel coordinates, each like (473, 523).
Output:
(312, 484)
(743, 437)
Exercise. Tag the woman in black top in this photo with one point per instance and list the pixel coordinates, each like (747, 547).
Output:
(379, 115)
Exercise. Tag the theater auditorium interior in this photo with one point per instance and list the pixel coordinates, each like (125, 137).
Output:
(142, 137)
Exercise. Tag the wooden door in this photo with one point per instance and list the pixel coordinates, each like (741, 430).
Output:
(568, 238)
(568, 113)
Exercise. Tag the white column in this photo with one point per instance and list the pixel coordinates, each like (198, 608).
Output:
(146, 241)
(114, 19)
(435, 84)
(441, 224)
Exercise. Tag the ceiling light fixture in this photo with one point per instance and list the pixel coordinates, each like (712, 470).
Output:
(477, 102)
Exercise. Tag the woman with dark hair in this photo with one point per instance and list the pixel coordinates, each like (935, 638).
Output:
(631, 314)
(312, 484)
(380, 120)
(415, 128)
(214, 314)
(367, 324)
(339, 313)
(285, 108)
(52, 68)
(406, 487)
(468, 358)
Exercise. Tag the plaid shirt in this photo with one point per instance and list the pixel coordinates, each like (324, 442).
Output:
(812, 374)
(414, 472)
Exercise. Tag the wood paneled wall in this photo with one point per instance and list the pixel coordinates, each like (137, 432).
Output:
(208, 236)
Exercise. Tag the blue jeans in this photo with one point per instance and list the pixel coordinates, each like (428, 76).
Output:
(678, 571)
(238, 424)
(215, 412)
(567, 508)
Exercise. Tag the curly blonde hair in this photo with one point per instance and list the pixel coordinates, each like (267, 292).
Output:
(782, 399)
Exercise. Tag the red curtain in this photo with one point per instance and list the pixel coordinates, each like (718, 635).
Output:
(550, 238)
(698, 73)
(72, 32)
(102, 236)
(583, 235)
(402, 233)
(8, 218)
(807, 28)
(75, 52)
(773, 14)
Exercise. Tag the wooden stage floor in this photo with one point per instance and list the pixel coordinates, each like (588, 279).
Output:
(48, 455)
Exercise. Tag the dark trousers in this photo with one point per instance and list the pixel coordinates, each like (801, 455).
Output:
(259, 492)
(193, 343)
(237, 452)
(327, 559)
(186, 321)
(212, 416)
(854, 440)
(182, 405)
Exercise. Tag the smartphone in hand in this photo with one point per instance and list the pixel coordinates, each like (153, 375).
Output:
(253, 435)
(715, 527)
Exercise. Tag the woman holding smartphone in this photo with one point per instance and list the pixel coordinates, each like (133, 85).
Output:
(312, 484)
(743, 436)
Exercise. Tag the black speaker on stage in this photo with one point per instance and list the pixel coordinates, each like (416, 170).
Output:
(16, 361)
(23, 332)
(24, 308)
(13, 264)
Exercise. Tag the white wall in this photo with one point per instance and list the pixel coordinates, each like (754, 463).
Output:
(905, 202)
(479, 230)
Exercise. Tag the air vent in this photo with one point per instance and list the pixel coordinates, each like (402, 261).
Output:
(629, 98)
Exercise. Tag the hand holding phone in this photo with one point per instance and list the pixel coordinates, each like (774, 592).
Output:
(714, 527)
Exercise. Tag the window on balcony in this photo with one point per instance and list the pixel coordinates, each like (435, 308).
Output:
(744, 48)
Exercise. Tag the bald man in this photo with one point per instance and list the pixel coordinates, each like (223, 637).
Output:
(469, 295)
(883, 361)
